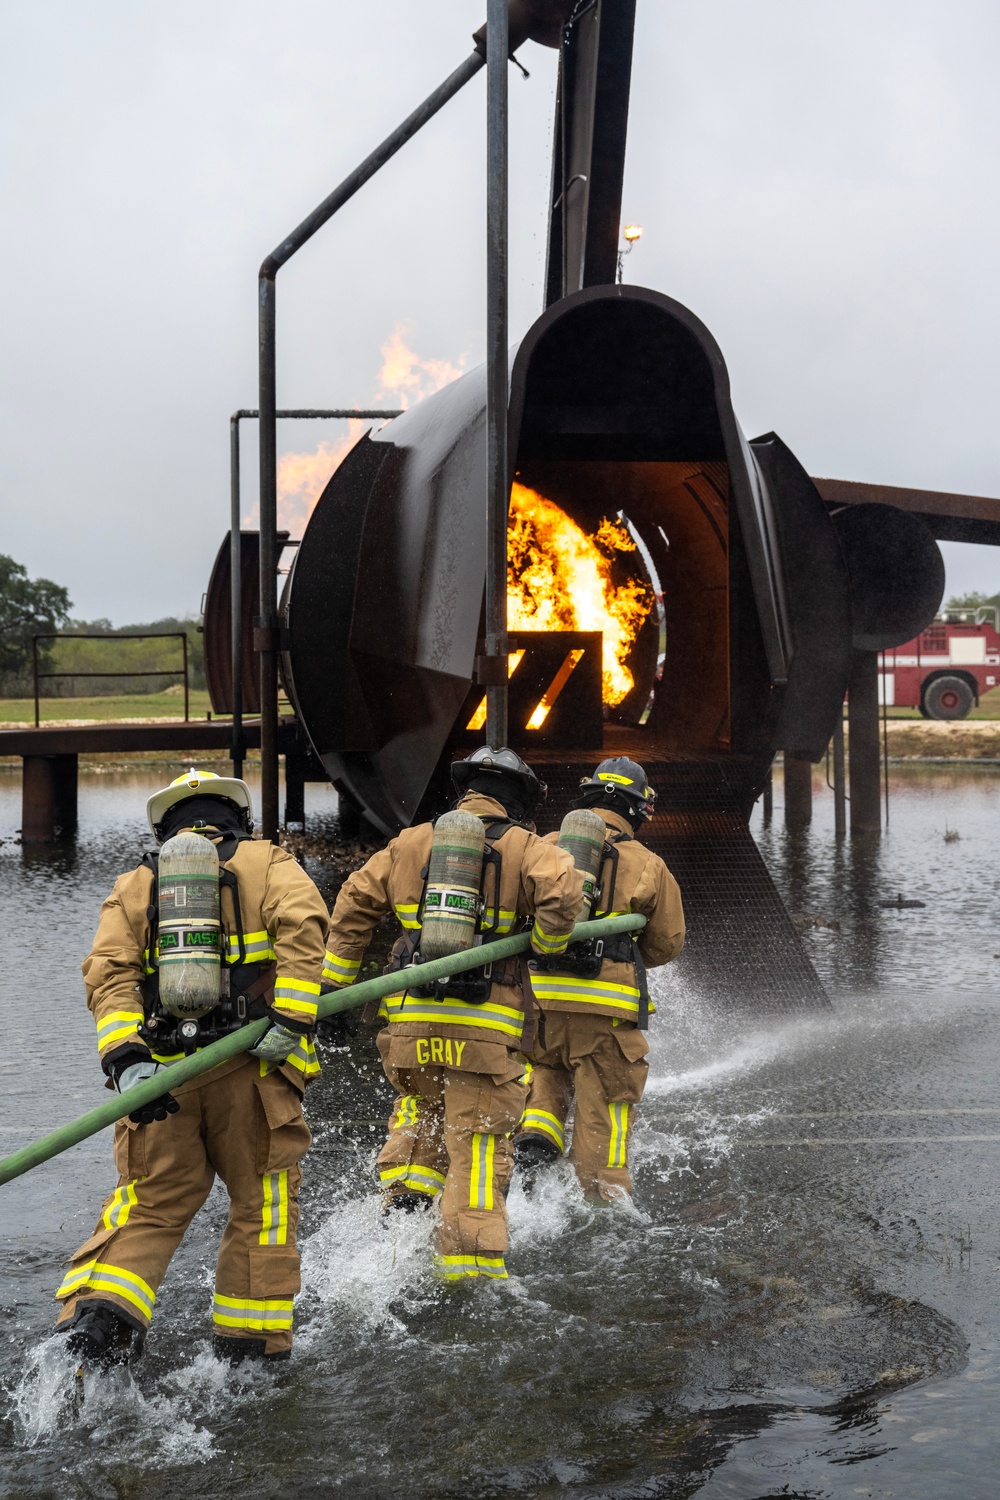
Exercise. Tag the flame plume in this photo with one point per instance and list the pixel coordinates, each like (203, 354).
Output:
(558, 578)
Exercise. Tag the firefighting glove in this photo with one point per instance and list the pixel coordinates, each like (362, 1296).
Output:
(338, 1030)
(156, 1109)
(276, 1044)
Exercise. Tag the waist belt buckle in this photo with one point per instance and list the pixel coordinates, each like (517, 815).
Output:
(488, 970)
(599, 948)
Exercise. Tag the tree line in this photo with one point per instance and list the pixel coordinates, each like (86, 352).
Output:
(37, 606)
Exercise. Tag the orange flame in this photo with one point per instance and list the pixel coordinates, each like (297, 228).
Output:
(403, 378)
(558, 578)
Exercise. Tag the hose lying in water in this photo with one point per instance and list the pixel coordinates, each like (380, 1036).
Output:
(349, 998)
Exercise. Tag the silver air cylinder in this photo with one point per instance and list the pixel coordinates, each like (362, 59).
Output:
(451, 902)
(582, 833)
(190, 938)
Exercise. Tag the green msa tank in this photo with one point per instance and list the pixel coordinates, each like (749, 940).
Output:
(582, 834)
(189, 937)
(451, 906)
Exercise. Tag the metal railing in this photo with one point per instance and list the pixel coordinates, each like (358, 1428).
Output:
(153, 635)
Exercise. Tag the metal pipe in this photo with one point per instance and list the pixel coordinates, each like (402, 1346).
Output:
(839, 778)
(497, 491)
(237, 748)
(268, 626)
(330, 1004)
(863, 743)
(187, 684)
(797, 777)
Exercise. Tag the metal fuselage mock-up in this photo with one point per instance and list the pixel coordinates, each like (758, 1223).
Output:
(620, 412)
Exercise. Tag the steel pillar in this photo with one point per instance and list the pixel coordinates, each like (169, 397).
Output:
(296, 766)
(48, 798)
(839, 779)
(497, 496)
(798, 792)
(863, 743)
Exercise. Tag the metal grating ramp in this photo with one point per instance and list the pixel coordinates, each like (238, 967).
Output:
(741, 949)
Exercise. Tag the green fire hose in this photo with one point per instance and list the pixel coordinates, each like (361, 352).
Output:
(349, 998)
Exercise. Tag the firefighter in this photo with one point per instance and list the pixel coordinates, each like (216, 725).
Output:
(594, 1005)
(451, 1052)
(242, 1121)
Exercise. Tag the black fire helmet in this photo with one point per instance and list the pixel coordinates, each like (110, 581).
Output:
(500, 773)
(620, 784)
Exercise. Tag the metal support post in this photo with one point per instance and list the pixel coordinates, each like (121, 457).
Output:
(268, 627)
(497, 493)
(48, 798)
(798, 792)
(863, 743)
(237, 745)
(839, 778)
(295, 787)
(768, 807)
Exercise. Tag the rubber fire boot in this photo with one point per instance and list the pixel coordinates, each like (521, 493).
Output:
(100, 1339)
(233, 1352)
(532, 1153)
(408, 1202)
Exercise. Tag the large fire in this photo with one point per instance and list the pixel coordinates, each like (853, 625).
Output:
(558, 578)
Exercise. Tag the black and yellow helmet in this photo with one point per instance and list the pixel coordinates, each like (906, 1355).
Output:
(621, 784)
(505, 768)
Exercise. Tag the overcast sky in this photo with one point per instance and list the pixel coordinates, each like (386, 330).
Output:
(817, 181)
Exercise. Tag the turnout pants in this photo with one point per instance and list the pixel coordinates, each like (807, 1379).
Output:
(449, 1133)
(249, 1130)
(604, 1066)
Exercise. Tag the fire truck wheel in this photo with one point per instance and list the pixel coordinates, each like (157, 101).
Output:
(947, 698)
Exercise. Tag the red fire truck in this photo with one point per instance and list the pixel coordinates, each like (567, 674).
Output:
(946, 668)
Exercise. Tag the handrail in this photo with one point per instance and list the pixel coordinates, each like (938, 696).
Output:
(144, 635)
(348, 998)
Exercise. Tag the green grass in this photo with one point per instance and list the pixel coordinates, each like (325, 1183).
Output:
(127, 706)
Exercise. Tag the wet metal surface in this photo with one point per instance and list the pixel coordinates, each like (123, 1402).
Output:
(801, 1303)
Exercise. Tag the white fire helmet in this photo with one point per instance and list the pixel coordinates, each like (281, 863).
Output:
(198, 784)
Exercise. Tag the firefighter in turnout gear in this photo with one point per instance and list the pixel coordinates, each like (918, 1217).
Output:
(594, 1006)
(451, 1050)
(243, 1120)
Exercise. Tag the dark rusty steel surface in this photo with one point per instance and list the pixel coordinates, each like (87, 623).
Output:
(588, 150)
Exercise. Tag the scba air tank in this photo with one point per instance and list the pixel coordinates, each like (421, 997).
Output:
(450, 915)
(189, 937)
(582, 834)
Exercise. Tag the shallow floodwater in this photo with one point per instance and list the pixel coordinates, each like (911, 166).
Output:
(802, 1301)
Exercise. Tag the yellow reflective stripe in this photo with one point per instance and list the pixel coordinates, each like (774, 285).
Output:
(296, 995)
(454, 1267)
(116, 1214)
(116, 1025)
(406, 1112)
(274, 1215)
(503, 1018)
(268, 1314)
(166, 1057)
(100, 1276)
(544, 943)
(622, 997)
(506, 922)
(285, 985)
(340, 970)
(619, 1135)
(302, 1057)
(418, 1179)
(256, 945)
(406, 913)
(541, 1122)
(481, 1175)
